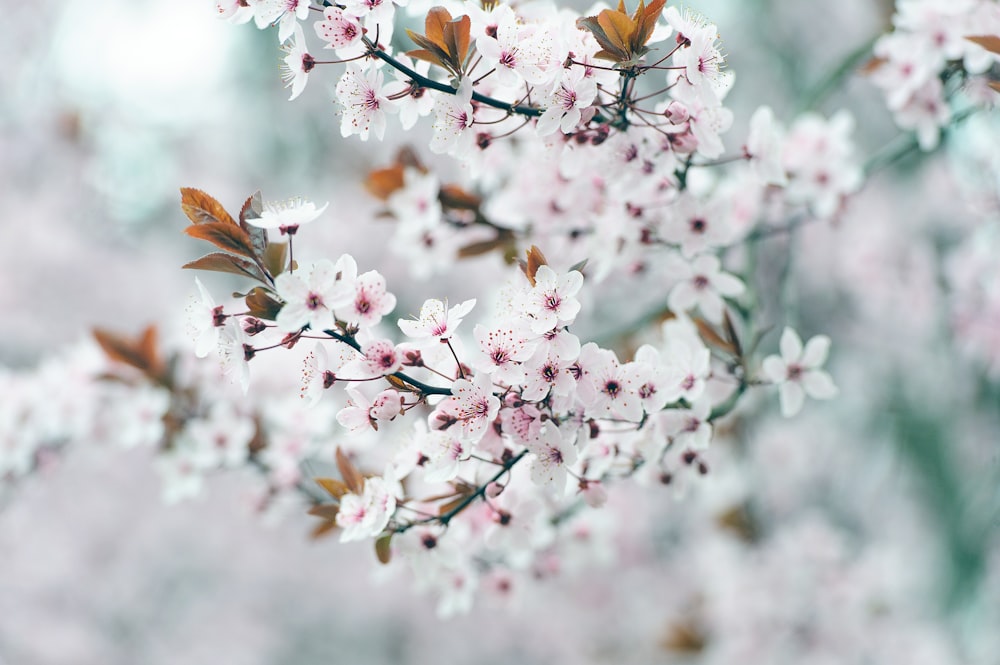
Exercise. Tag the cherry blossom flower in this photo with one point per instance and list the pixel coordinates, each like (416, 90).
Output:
(453, 121)
(764, 147)
(220, 440)
(287, 216)
(416, 203)
(703, 284)
(474, 405)
(297, 64)
(502, 349)
(517, 52)
(310, 301)
(235, 352)
(286, 13)
(319, 371)
(365, 516)
(365, 104)
(552, 300)
(340, 31)
(363, 412)
(436, 320)
(797, 371)
(689, 429)
(370, 301)
(606, 387)
(445, 454)
(572, 93)
(204, 321)
(234, 11)
(419, 102)
(552, 455)
(379, 358)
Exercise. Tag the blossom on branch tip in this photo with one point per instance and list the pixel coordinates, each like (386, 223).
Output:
(288, 215)
(798, 371)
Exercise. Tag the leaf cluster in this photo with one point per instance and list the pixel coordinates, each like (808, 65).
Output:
(246, 249)
(622, 37)
(446, 41)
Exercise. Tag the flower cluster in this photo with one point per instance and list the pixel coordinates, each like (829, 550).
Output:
(936, 49)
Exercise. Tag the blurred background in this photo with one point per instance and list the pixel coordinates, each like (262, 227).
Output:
(863, 531)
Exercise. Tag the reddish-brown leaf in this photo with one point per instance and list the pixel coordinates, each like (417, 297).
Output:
(219, 262)
(618, 27)
(434, 26)
(871, 66)
(995, 85)
(709, 334)
(352, 477)
(333, 487)
(201, 208)
(229, 237)
(381, 183)
(457, 37)
(453, 196)
(322, 529)
(263, 305)
(141, 352)
(327, 511)
(989, 42)
(483, 247)
(684, 638)
(535, 260)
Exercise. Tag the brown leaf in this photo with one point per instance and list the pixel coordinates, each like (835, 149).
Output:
(333, 487)
(739, 521)
(381, 183)
(433, 57)
(453, 196)
(446, 42)
(618, 27)
(684, 638)
(219, 262)
(989, 42)
(201, 208)
(709, 334)
(352, 477)
(262, 305)
(141, 352)
(383, 547)
(434, 26)
(229, 237)
(322, 529)
(995, 85)
(535, 260)
(327, 511)
(871, 66)
(483, 247)
(399, 384)
(731, 335)
(456, 35)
